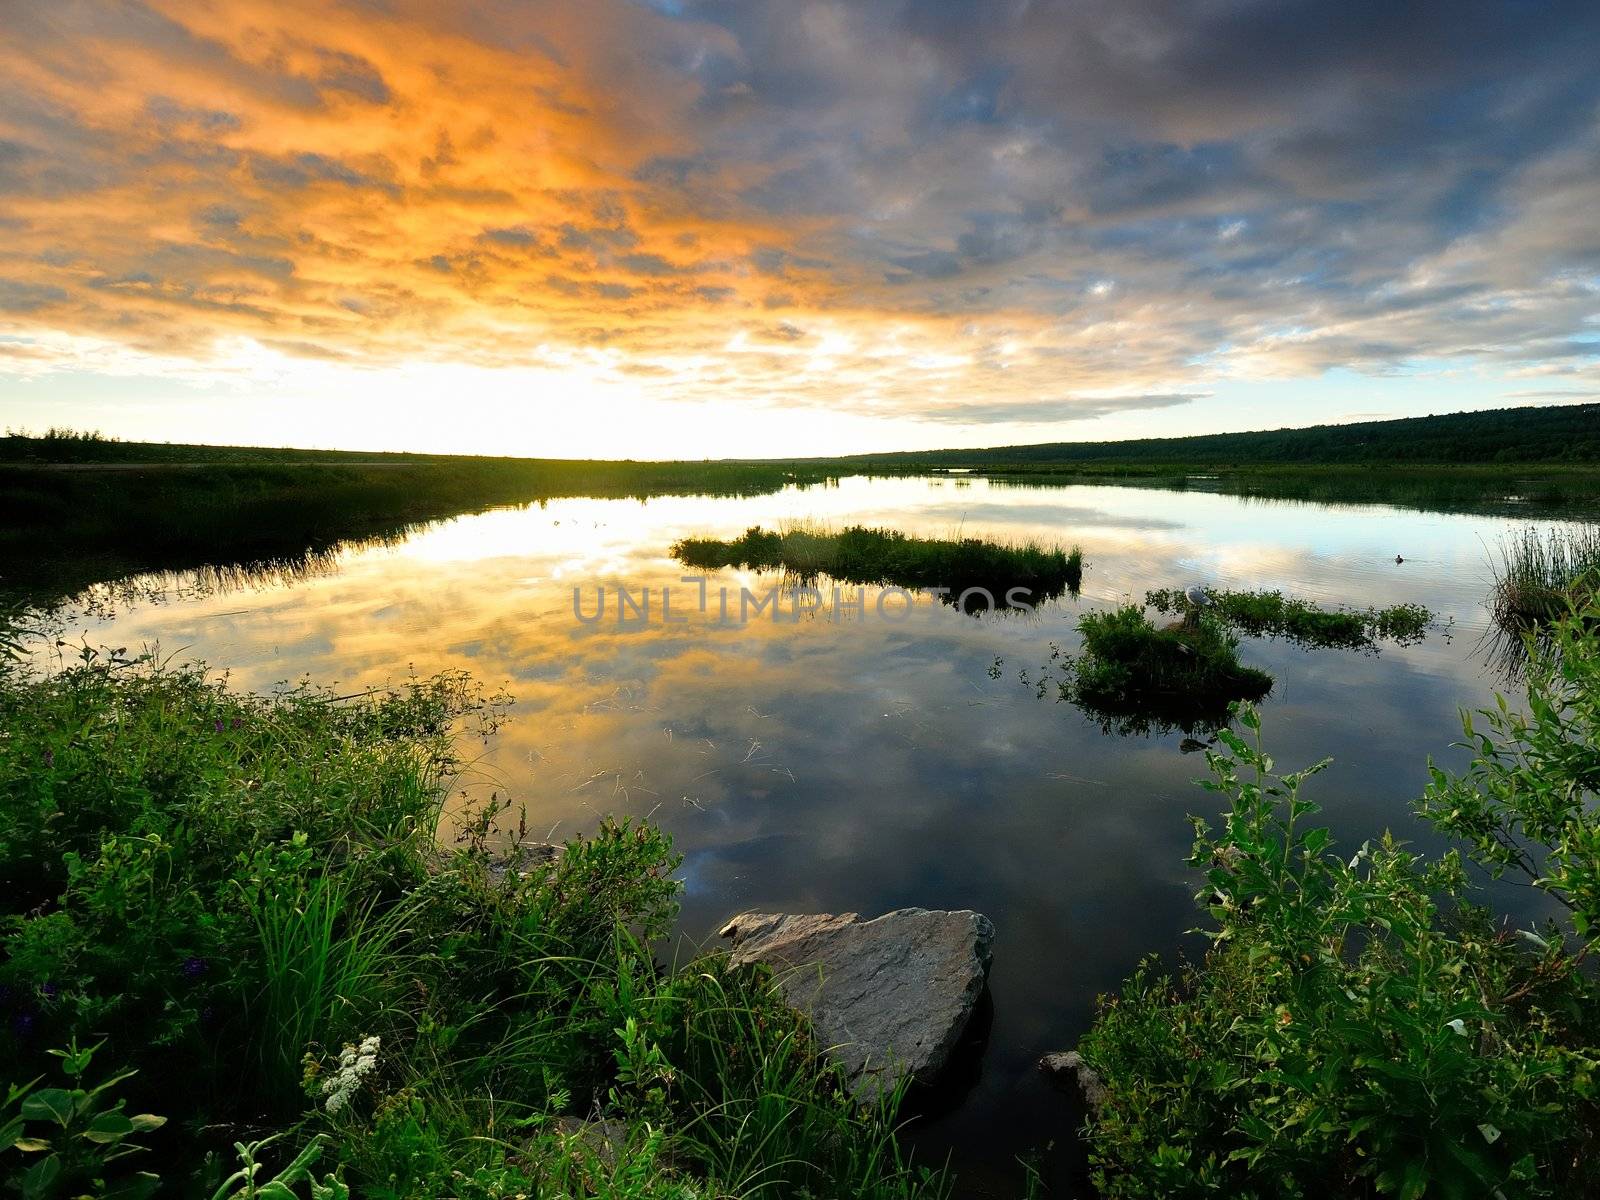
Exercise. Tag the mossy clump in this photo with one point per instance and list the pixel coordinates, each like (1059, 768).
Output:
(889, 558)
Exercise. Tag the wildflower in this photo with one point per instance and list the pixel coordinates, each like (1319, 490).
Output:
(49, 758)
(219, 725)
(355, 1063)
(194, 967)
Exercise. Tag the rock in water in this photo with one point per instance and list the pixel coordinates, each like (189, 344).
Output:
(889, 996)
(1071, 1066)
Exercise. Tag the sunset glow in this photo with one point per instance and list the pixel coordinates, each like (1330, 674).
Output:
(680, 228)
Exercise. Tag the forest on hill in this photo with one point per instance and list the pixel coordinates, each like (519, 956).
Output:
(1568, 433)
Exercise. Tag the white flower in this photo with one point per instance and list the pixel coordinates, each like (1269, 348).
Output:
(355, 1062)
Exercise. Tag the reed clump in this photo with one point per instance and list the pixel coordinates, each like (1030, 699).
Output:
(1541, 578)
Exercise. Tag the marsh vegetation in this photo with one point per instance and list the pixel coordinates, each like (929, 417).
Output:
(1272, 614)
(889, 558)
(1540, 578)
(230, 939)
(1366, 1026)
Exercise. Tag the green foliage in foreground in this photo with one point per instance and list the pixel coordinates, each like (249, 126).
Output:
(236, 903)
(889, 558)
(1133, 675)
(1358, 1028)
(1272, 614)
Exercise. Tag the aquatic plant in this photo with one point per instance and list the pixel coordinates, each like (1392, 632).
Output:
(1360, 1026)
(889, 558)
(1540, 579)
(1133, 675)
(1271, 614)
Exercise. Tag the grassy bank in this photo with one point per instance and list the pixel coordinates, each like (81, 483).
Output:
(1361, 1026)
(230, 916)
(64, 526)
(889, 558)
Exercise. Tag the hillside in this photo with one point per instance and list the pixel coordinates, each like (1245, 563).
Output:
(1556, 434)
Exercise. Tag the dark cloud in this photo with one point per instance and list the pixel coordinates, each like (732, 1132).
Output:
(1064, 198)
(20, 296)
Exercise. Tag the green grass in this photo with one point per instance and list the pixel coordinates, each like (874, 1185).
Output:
(1133, 676)
(217, 891)
(1272, 614)
(889, 558)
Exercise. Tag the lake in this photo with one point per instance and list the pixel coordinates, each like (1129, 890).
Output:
(865, 760)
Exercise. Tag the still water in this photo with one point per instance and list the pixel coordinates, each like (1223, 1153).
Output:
(865, 761)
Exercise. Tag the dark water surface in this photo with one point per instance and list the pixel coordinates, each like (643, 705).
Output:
(869, 763)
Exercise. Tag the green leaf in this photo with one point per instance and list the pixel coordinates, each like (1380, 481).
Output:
(41, 1178)
(136, 1187)
(30, 1145)
(144, 1122)
(1415, 1182)
(50, 1104)
(108, 1127)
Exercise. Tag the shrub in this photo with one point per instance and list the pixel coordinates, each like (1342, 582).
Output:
(1358, 1027)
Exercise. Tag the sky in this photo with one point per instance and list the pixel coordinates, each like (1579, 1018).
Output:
(704, 228)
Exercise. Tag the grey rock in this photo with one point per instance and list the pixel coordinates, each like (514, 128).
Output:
(889, 997)
(1071, 1065)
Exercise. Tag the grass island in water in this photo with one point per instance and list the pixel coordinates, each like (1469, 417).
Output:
(889, 558)
(1272, 614)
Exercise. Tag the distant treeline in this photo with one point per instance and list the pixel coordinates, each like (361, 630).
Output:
(1568, 433)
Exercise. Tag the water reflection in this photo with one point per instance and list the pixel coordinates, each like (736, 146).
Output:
(863, 765)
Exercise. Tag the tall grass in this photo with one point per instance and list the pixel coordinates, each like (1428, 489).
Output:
(1541, 578)
(327, 957)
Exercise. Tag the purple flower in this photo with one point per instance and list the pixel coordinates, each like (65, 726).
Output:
(219, 726)
(49, 758)
(48, 990)
(194, 967)
(22, 1024)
